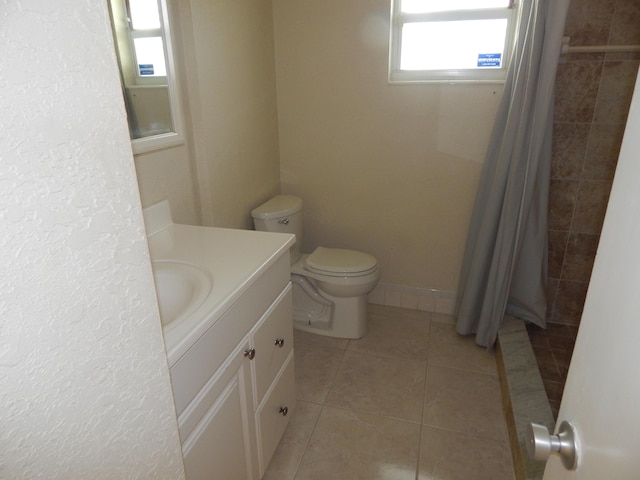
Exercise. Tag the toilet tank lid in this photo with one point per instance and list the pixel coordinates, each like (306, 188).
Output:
(278, 206)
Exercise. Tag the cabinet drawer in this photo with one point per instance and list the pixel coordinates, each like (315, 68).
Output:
(269, 418)
(273, 341)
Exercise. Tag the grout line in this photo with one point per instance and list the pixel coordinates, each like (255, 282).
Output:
(424, 396)
(306, 445)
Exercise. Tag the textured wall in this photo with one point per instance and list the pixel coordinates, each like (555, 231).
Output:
(84, 385)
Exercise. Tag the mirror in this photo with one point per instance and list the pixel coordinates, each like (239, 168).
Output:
(145, 58)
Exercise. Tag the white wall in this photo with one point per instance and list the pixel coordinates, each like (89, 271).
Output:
(229, 75)
(170, 174)
(388, 169)
(84, 383)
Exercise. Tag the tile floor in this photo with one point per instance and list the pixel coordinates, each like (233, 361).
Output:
(410, 400)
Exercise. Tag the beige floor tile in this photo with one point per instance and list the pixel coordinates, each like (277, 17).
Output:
(395, 336)
(380, 385)
(447, 455)
(306, 338)
(316, 369)
(448, 348)
(289, 453)
(464, 401)
(347, 445)
(443, 318)
(388, 311)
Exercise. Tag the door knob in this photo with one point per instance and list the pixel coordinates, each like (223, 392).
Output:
(541, 444)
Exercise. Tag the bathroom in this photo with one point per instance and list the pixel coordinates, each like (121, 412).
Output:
(389, 169)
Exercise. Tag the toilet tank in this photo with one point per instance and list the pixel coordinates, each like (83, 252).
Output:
(283, 213)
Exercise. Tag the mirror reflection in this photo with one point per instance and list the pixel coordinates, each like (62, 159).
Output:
(141, 49)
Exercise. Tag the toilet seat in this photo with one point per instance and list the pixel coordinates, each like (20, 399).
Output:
(338, 262)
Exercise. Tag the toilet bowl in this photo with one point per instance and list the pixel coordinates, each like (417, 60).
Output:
(330, 285)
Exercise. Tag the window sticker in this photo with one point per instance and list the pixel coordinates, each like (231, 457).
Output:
(489, 60)
(145, 68)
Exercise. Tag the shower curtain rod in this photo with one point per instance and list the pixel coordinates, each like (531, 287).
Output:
(567, 48)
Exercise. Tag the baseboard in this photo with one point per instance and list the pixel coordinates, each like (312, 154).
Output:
(425, 299)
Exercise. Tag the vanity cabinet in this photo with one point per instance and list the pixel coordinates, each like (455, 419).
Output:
(234, 389)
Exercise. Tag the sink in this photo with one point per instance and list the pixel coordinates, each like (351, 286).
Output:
(181, 288)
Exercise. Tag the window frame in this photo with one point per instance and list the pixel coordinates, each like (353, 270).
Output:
(489, 75)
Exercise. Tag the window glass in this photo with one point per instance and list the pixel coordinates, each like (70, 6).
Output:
(150, 57)
(453, 45)
(144, 14)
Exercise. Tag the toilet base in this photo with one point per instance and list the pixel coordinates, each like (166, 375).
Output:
(342, 318)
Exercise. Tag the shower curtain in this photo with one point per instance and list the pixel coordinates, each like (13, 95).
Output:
(505, 260)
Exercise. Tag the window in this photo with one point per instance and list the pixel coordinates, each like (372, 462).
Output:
(450, 40)
(146, 34)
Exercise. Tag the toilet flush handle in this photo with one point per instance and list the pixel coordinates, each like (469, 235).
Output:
(284, 221)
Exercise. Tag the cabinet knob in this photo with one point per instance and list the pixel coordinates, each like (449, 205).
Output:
(279, 342)
(283, 411)
(250, 353)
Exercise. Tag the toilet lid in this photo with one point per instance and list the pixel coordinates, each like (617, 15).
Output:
(340, 261)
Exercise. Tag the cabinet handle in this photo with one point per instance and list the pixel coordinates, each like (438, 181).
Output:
(283, 411)
(279, 342)
(250, 353)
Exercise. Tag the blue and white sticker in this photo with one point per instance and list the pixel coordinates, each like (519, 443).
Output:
(489, 60)
(145, 68)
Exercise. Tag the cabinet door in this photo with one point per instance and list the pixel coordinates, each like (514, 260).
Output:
(221, 446)
(273, 341)
(275, 412)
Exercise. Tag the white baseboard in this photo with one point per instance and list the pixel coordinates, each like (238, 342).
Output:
(425, 299)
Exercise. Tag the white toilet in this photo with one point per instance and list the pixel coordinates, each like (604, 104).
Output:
(330, 285)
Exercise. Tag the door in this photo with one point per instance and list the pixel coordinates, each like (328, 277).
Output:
(222, 444)
(602, 394)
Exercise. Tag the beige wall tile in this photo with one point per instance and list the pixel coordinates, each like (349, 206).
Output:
(563, 195)
(569, 148)
(616, 89)
(557, 248)
(575, 101)
(591, 207)
(589, 21)
(624, 27)
(580, 254)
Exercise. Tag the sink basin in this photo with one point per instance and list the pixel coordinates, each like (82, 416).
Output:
(181, 288)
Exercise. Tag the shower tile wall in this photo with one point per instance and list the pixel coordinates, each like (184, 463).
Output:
(593, 92)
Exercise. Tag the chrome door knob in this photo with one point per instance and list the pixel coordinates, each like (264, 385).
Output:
(541, 444)
(283, 411)
(250, 353)
(279, 342)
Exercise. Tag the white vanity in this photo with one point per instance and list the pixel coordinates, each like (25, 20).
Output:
(227, 313)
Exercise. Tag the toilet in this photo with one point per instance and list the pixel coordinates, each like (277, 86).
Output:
(330, 285)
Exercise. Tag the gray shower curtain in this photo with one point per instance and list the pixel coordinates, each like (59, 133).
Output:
(505, 260)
